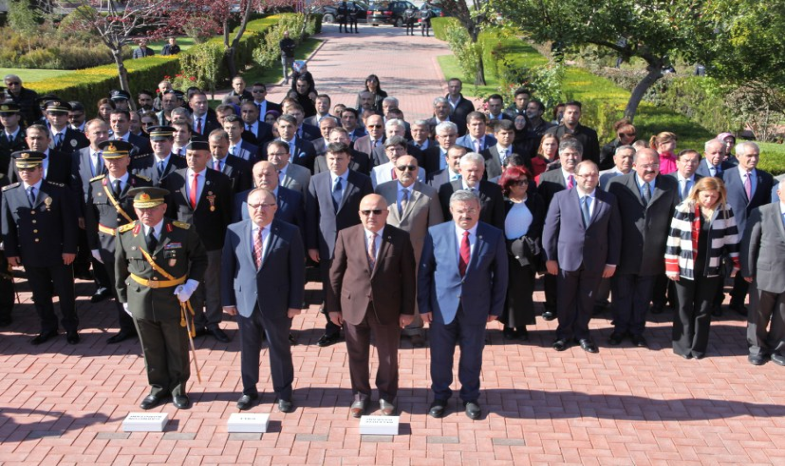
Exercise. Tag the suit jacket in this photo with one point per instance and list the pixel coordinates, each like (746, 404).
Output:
(247, 151)
(422, 211)
(493, 164)
(239, 172)
(360, 163)
(565, 239)
(72, 141)
(703, 168)
(491, 201)
(480, 292)
(297, 178)
(675, 176)
(309, 132)
(146, 165)
(304, 153)
(210, 124)
(314, 121)
(280, 280)
(319, 146)
(587, 137)
(262, 136)
(764, 234)
(363, 144)
(82, 171)
(379, 156)
(460, 122)
(466, 142)
(551, 182)
(383, 173)
(213, 208)
(322, 221)
(439, 178)
(141, 144)
(390, 285)
(737, 196)
(291, 207)
(432, 159)
(645, 227)
(607, 175)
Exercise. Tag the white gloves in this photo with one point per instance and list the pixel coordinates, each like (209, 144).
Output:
(125, 308)
(185, 290)
(96, 255)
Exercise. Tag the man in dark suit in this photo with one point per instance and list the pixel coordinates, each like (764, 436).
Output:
(257, 132)
(461, 107)
(472, 166)
(238, 170)
(443, 112)
(322, 104)
(476, 140)
(713, 163)
(747, 189)
(325, 126)
(570, 124)
(305, 130)
(495, 105)
(496, 155)
(12, 137)
(262, 284)
(392, 128)
(291, 204)
(372, 290)
(64, 139)
(374, 125)
(290, 176)
(39, 229)
(350, 122)
(162, 162)
(452, 170)
(259, 92)
(301, 151)
(120, 123)
(203, 122)
(332, 204)
(57, 166)
(581, 241)
(461, 285)
(435, 157)
(360, 161)
(238, 146)
(203, 197)
(646, 202)
(762, 256)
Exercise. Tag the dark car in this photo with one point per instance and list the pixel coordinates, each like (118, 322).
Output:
(330, 12)
(388, 13)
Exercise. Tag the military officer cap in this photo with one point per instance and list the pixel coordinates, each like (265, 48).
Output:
(180, 94)
(119, 94)
(57, 106)
(147, 197)
(161, 133)
(9, 108)
(198, 145)
(112, 150)
(28, 158)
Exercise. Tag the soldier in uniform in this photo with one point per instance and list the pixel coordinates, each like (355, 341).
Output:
(40, 233)
(162, 162)
(106, 209)
(12, 137)
(342, 13)
(353, 10)
(64, 139)
(158, 265)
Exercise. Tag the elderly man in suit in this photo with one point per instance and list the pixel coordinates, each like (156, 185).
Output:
(622, 160)
(581, 242)
(263, 279)
(238, 170)
(332, 204)
(461, 285)
(374, 125)
(748, 188)
(762, 258)
(434, 157)
(290, 176)
(394, 127)
(472, 167)
(646, 203)
(713, 163)
(414, 207)
(291, 205)
(372, 290)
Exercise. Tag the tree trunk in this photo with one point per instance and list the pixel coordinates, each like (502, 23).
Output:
(479, 79)
(122, 72)
(230, 61)
(655, 73)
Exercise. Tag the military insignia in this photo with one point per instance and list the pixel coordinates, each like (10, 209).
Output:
(173, 246)
(125, 228)
(144, 197)
(55, 104)
(172, 262)
(182, 225)
(74, 143)
(207, 182)
(10, 186)
(25, 155)
(48, 202)
(133, 248)
(143, 177)
(211, 197)
(3, 108)
(96, 178)
(111, 148)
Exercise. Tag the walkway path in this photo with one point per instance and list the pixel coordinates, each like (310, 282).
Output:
(62, 404)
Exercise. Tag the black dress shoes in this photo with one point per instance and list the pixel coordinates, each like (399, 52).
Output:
(246, 402)
(100, 295)
(201, 331)
(181, 402)
(285, 406)
(5, 321)
(121, 336)
(588, 346)
(151, 401)
(509, 333)
(292, 340)
(327, 339)
(358, 408)
(639, 341)
(560, 345)
(43, 337)
(778, 359)
(72, 337)
(738, 308)
(548, 315)
(757, 359)
(219, 335)
(615, 339)
(417, 341)
(473, 410)
(523, 334)
(438, 407)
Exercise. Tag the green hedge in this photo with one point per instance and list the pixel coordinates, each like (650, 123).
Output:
(439, 24)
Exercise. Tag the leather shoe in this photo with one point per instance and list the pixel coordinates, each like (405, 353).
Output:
(437, 409)
(100, 295)
(201, 331)
(778, 359)
(327, 340)
(417, 341)
(292, 340)
(121, 336)
(588, 346)
(548, 315)
(523, 334)
(285, 406)
(509, 333)
(738, 308)
(43, 337)
(757, 359)
(5, 321)
(246, 402)
(181, 402)
(219, 335)
(387, 408)
(560, 345)
(615, 339)
(639, 341)
(72, 337)
(151, 401)
(473, 410)
(358, 408)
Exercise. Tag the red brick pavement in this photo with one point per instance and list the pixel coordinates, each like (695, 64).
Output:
(62, 404)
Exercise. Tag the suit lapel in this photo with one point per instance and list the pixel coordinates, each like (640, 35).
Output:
(383, 250)
(632, 184)
(271, 243)
(348, 190)
(479, 244)
(658, 191)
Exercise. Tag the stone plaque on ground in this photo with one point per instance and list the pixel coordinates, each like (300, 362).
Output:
(244, 422)
(379, 425)
(145, 422)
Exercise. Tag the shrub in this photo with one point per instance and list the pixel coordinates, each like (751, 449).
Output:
(22, 17)
(439, 26)
(467, 52)
(203, 63)
(268, 52)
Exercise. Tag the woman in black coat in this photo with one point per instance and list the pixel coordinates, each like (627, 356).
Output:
(373, 86)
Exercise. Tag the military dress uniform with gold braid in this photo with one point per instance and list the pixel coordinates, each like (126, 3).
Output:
(150, 295)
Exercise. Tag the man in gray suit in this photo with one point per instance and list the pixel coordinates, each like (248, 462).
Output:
(290, 176)
(622, 160)
(646, 203)
(414, 207)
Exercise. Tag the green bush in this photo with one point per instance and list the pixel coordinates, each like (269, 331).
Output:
(203, 63)
(439, 25)
(268, 52)
(467, 52)
(314, 24)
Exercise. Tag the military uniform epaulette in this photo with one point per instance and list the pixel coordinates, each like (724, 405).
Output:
(141, 156)
(182, 225)
(10, 186)
(62, 185)
(126, 227)
(143, 177)
(99, 177)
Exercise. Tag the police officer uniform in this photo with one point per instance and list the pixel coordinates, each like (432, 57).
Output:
(151, 263)
(342, 16)
(39, 228)
(106, 209)
(10, 144)
(68, 140)
(353, 10)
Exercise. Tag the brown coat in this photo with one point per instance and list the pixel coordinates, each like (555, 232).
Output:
(391, 286)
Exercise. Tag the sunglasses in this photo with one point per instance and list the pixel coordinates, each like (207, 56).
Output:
(520, 182)
(374, 126)
(13, 84)
(404, 168)
(629, 135)
(369, 212)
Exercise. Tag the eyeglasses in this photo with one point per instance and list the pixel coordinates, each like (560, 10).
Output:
(649, 165)
(629, 135)
(373, 126)
(464, 212)
(261, 206)
(372, 211)
(520, 182)
(404, 168)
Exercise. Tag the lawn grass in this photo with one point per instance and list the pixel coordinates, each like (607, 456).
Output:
(185, 43)
(33, 75)
(273, 74)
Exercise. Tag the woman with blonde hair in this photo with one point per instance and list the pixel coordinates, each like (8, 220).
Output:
(703, 232)
(547, 155)
(665, 145)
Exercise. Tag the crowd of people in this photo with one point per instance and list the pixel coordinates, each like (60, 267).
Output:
(184, 214)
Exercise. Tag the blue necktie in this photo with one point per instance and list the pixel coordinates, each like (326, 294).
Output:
(337, 187)
(161, 168)
(585, 211)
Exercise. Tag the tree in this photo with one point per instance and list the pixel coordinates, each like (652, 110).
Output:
(472, 19)
(656, 31)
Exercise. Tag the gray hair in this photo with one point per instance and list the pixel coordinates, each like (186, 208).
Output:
(626, 147)
(9, 77)
(640, 144)
(473, 157)
(391, 100)
(743, 147)
(182, 112)
(395, 141)
(440, 100)
(570, 143)
(395, 122)
(422, 123)
(464, 195)
(710, 142)
(446, 126)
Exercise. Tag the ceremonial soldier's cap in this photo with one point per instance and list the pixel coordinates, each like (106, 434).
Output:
(147, 197)
(9, 108)
(119, 94)
(58, 106)
(180, 94)
(28, 158)
(198, 145)
(161, 133)
(111, 150)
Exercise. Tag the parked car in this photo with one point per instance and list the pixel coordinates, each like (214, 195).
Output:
(330, 12)
(388, 12)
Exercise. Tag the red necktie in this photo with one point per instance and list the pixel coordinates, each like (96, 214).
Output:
(571, 183)
(194, 187)
(465, 254)
(199, 125)
(394, 175)
(258, 241)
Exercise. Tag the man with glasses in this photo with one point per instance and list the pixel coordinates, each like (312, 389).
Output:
(26, 99)
(394, 127)
(291, 204)
(581, 241)
(76, 117)
(394, 147)
(646, 201)
(259, 93)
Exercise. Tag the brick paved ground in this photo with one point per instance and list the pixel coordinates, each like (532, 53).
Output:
(62, 404)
